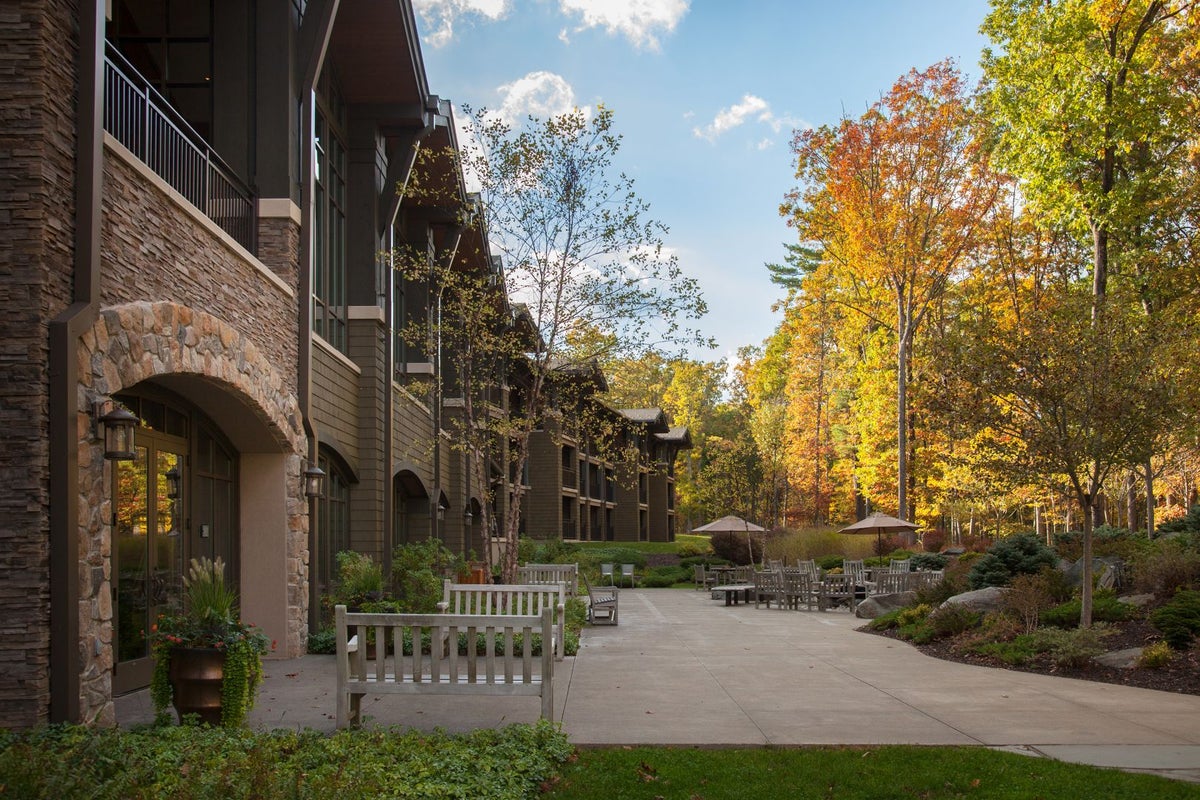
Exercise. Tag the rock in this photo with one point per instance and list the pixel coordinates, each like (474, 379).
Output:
(990, 598)
(1110, 572)
(1137, 600)
(880, 604)
(1120, 659)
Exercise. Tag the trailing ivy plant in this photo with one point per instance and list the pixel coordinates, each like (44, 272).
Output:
(209, 620)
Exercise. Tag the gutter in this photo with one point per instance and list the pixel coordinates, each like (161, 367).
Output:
(65, 330)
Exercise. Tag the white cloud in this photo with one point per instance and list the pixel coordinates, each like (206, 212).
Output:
(442, 14)
(751, 109)
(639, 21)
(541, 94)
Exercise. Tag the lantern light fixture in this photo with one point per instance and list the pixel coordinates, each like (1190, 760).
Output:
(116, 425)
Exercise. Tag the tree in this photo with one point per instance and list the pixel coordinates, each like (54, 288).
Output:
(894, 199)
(578, 251)
(1091, 112)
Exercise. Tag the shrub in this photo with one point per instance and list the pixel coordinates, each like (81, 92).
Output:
(803, 544)
(1028, 596)
(885, 622)
(1155, 656)
(1179, 619)
(1022, 554)
(1166, 567)
(934, 540)
(732, 545)
(693, 550)
(1015, 653)
(359, 579)
(1105, 608)
(1069, 648)
(323, 642)
(910, 615)
(830, 562)
(931, 561)
(662, 577)
(952, 620)
(546, 551)
(194, 762)
(937, 593)
(418, 569)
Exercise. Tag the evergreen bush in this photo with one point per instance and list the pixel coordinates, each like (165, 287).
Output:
(1022, 554)
(1179, 619)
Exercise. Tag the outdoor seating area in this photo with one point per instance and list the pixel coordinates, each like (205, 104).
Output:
(806, 585)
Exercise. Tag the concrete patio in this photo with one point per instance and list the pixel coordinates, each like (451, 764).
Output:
(683, 669)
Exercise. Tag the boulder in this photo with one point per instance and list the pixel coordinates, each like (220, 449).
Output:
(990, 598)
(1136, 600)
(1110, 572)
(879, 604)
(1120, 659)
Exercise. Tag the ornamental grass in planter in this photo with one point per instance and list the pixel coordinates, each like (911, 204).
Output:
(207, 661)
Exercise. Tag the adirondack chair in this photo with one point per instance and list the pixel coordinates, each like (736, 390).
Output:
(602, 602)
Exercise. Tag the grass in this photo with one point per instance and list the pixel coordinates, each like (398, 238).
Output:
(696, 540)
(846, 773)
(520, 762)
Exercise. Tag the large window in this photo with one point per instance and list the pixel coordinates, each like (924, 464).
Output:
(170, 43)
(333, 521)
(329, 210)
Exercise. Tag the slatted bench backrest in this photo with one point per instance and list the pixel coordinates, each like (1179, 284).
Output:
(567, 574)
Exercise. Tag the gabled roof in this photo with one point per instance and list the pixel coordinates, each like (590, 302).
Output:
(653, 418)
(679, 436)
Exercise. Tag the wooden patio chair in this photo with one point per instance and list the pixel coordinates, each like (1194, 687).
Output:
(838, 590)
(768, 588)
(602, 603)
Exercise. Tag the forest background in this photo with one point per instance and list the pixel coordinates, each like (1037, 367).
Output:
(990, 309)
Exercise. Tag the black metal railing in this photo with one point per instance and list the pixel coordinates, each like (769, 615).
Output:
(144, 122)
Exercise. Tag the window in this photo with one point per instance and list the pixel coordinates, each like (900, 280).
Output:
(170, 43)
(329, 212)
(333, 521)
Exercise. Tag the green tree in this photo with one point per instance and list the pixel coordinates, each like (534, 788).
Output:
(1090, 114)
(579, 252)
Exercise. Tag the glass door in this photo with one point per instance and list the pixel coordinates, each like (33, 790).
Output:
(148, 551)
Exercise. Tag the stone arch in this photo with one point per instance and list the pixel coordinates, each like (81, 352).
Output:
(225, 373)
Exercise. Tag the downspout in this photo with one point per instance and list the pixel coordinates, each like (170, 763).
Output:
(65, 330)
(390, 356)
(451, 252)
(304, 338)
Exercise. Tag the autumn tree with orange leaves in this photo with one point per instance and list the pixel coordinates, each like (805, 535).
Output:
(895, 199)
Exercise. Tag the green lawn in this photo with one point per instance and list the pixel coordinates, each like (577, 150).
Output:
(696, 540)
(919, 773)
(520, 762)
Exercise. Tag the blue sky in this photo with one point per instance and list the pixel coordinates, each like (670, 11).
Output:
(706, 94)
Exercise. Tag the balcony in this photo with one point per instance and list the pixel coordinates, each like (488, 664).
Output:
(144, 122)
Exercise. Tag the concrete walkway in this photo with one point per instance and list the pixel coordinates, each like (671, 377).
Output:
(684, 669)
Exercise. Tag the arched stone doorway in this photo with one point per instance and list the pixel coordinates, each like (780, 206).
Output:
(213, 407)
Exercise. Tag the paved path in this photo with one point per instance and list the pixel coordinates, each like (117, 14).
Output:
(684, 669)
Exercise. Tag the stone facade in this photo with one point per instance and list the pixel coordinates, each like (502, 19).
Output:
(140, 341)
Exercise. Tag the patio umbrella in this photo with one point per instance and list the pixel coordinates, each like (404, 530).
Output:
(879, 524)
(730, 522)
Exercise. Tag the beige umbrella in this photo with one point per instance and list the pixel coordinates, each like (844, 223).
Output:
(879, 524)
(730, 522)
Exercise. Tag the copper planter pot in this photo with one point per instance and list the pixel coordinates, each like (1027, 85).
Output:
(196, 675)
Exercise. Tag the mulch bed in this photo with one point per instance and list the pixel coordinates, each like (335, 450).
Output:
(1182, 675)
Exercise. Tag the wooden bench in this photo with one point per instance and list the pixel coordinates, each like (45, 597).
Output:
(500, 670)
(509, 598)
(567, 574)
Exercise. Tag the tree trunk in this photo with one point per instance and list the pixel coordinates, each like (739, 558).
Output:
(1087, 506)
(902, 345)
(1148, 470)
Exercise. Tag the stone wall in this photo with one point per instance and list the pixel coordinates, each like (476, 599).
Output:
(38, 46)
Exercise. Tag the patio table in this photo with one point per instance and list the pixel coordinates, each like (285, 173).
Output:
(733, 592)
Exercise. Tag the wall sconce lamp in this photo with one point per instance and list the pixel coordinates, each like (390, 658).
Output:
(116, 424)
(314, 481)
(174, 483)
(467, 515)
